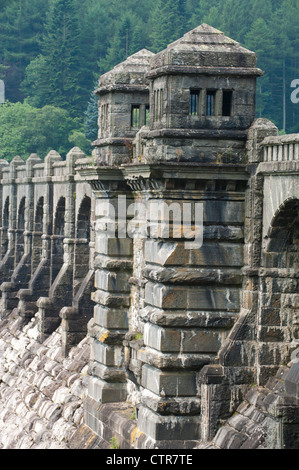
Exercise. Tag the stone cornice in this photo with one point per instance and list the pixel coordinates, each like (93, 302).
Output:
(185, 170)
(194, 133)
(193, 70)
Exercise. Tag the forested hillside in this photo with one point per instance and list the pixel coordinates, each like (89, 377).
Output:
(53, 51)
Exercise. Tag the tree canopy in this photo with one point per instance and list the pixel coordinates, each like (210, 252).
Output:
(25, 129)
(53, 51)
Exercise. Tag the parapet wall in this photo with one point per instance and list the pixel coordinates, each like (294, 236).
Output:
(47, 236)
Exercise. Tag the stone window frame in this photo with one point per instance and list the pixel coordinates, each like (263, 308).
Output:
(158, 103)
(135, 115)
(218, 102)
(194, 101)
(104, 116)
(230, 101)
(142, 118)
(146, 115)
(211, 102)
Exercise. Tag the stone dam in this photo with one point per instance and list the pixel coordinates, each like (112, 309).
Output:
(150, 291)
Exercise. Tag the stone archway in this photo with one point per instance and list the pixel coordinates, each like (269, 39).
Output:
(75, 318)
(57, 239)
(37, 234)
(81, 265)
(19, 251)
(278, 312)
(5, 224)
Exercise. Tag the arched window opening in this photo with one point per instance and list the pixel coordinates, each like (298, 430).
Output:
(283, 238)
(57, 239)
(5, 223)
(20, 231)
(37, 234)
(82, 245)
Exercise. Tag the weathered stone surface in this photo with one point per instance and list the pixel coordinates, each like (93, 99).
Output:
(175, 332)
(40, 407)
(168, 383)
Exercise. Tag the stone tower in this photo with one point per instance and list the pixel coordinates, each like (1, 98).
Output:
(123, 108)
(164, 308)
(202, 99)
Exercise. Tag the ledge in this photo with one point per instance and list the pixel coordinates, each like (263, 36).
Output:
(194, 70)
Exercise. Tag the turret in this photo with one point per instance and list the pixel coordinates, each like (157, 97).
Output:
(123, 108)
(202, 99)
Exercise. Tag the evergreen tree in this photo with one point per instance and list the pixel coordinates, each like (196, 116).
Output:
(207, 11)
(167, 23)
(59, 76)
(2, 70)
(35, 84)
(237, 18)
(57, 48)
(260, 40)
(278, 68)
(91, 118)
(119, 48)
(20, 33)
(291, 30)
(61, 48)
(138, 41)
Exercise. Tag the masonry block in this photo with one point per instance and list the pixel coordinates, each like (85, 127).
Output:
(166, 383)
(112, 281)
(182, 341)
(168, 428)
(107, 355)
(174, 254)
(197, 298)
(111, 318)
(292, 381)
(104, 392)
(113, 246)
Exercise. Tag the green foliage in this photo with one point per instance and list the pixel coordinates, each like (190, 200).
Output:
(57, 77)
(260, 40)
(52, 51)
(25, 130)
(35, 84)
(21, 28)
(2, 70)
(114, 443)
(91, 118)
(78, 139)
(168, 23)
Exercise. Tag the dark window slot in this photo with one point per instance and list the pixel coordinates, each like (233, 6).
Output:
(210, 102)
(135, 116)
(194, 102)
(227, 103)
